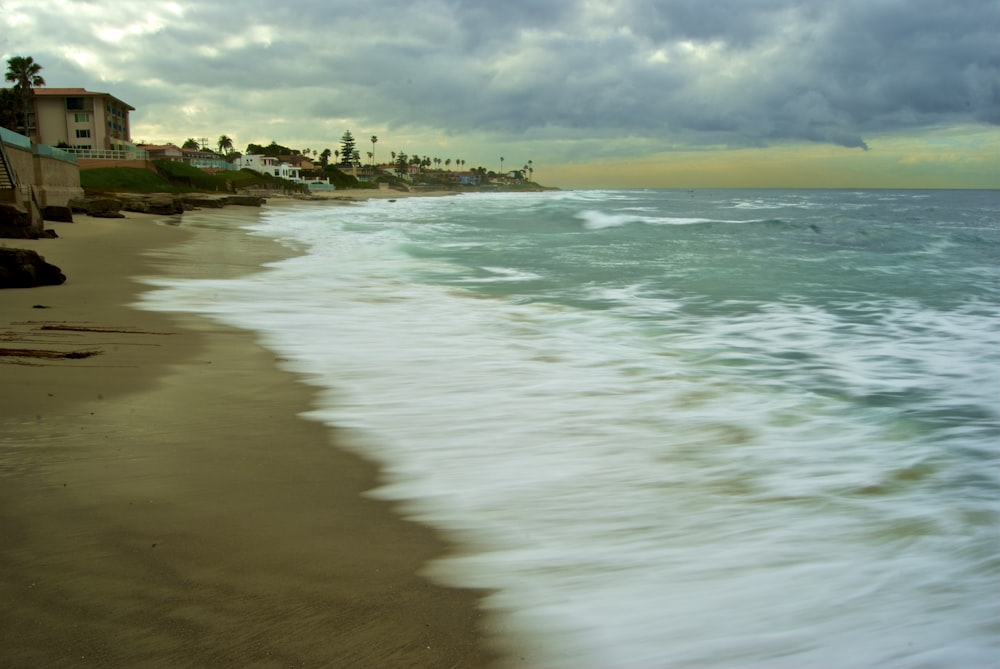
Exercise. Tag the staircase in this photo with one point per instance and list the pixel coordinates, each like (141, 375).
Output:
(7, 181)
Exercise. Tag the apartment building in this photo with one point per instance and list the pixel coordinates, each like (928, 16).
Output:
(81, 119)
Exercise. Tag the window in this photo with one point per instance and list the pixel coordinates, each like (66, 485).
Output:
(74, 103)
(83, 133)
(81, 118)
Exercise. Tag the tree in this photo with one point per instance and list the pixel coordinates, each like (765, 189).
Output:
(225, 144)
(402, 160)
(501, 164)
(347, 146)
(190, 143)
(23, 71)
(10, 108)
(372, 154)
(324, 157)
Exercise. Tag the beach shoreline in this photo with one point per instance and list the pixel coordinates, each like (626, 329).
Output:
(162, 502)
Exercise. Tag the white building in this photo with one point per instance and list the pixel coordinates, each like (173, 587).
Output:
(269, 165)
(275, 167)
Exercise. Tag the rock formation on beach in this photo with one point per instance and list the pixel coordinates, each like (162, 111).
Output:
(22, 268)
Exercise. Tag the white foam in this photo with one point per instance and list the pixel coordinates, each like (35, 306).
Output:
(636, 483)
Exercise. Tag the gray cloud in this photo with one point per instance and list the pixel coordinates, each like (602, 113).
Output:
(679, 73)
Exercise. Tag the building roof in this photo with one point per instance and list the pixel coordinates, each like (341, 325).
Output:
(155, 147)
(77, 93)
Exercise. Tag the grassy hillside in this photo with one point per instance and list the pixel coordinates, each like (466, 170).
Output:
(173, 177)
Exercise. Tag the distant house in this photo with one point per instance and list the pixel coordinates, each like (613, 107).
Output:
(198, 154)
(206, 159)
(80, 119)
(467, 178)
(268, 165)
(163, 151)
(298, 160)
(276, 167)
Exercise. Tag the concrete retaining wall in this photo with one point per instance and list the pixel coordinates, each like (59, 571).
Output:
(45, 177)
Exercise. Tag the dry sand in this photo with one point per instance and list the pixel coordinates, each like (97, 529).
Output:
(162, 505)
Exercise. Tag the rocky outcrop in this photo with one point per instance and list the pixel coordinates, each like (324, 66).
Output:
(15, 222)
(208, 201)
(60, 214)
(21, 268)
(160, 204)
(98, 207)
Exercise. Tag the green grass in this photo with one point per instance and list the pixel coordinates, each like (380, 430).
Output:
(126, 179)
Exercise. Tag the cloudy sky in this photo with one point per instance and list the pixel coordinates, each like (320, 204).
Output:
(840, 93)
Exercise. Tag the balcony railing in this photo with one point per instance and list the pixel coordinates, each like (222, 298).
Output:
(104, 154)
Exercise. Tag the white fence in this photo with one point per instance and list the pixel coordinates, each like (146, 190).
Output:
(103, 154)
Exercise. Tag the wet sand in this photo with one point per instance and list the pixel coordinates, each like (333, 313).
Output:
(161, 502)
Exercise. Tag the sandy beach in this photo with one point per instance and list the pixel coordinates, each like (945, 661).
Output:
(161, 502)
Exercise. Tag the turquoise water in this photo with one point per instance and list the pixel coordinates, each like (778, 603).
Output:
(669, 428)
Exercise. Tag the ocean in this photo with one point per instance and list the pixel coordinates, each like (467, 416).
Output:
(667, 428)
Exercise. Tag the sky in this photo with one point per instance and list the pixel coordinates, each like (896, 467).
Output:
(595, 93)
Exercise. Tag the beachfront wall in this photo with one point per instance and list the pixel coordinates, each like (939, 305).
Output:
(44, 176)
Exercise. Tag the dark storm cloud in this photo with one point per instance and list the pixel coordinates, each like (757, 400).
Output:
(681, 72)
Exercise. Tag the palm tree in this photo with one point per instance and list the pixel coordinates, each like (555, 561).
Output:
(225, 144)
(191, 143)
(23, 71)
(372, 154)
(501, 164)
(531, 170)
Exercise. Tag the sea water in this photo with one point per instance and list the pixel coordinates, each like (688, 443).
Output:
(669, 428)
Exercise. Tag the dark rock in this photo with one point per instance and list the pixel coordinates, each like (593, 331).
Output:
(15, 223)
(245, 200)
(22, 268)
(158, 203)
(217, 201)
(205, 201)
(60, 214)
(98, 207)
